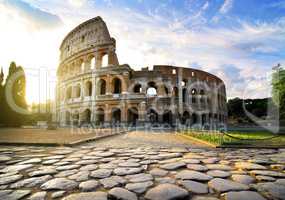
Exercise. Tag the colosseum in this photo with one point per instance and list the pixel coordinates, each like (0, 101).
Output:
(93, 88)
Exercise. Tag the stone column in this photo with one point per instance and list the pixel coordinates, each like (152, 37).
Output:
(108, 85)
(98, 60)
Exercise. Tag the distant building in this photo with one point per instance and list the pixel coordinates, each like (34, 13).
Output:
(93, 87)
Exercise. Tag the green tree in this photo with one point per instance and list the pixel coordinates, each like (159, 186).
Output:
(17, 82)
(278, 90)
(2, 104)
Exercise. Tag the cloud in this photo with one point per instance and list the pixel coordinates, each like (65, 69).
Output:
(227, 5)
(205, 6)
(32, 16)
(77, 3)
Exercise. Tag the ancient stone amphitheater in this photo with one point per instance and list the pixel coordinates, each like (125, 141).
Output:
(94, 88)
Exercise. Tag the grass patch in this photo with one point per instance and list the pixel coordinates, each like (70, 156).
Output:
(239, 138)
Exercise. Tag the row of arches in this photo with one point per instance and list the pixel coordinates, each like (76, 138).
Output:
(152, 116)
(88, 63)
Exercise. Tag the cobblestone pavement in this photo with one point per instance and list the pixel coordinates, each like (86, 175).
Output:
(151, 172)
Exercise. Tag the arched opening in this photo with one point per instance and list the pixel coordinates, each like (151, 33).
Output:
(99, 116)
(185, 118)
(138, 88)
(69, 92)
(92, 63)
(184, 95)
(88, 88)
(152, 89)
(133, 116)
(193, 94)
(77, 92)
(86, 116)
(105, 60)
(194, 118)
(204, 119)
(102, 87)
(67, 118)
(166, 90)
(202, 96)
(153, 116)
(184, 83)
(75, 119)
(116, 115)
(175, 92)
(82, 66)
(167, 117)
(117, 86)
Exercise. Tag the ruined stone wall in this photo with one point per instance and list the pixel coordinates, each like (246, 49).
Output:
(94, 87)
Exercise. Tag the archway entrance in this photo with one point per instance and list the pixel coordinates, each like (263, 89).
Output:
(116, 115)
(167, 117)
(132, 116)
(185, 118)
(99, 119)
(153, 116)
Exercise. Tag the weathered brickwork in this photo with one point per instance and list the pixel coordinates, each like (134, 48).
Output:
(94, 87)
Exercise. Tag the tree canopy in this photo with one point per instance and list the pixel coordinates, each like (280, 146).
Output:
(278, 90)
(16, 81)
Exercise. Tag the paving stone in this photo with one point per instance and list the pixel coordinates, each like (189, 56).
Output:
(195, 187)
(49, 162)
(47, 171)
(38, 196)
(122, 194)
(243, 195)
(87, 196)
(191, 161)
(101, 173)
(127, 171)
(16, 168)
(158, 172)
(139, 177)
(4, 158)
(165, 180)
(244, 179)
(14, 194)
(166, 192)
(58, 194)
(197, 167)
(89, 185)
(169, 155)
(31, 161)
(211, 160)
(277, 167)
(62, 152)
(90, 167)
(112, 181)
(218, 173)
(267, 173)
(67, 167)
(173, 166)
(265, 178)
(59, 184)
(223, 185)
(80, 176)
(66, 173)
(31, 182)
(204, 198)
(10, 179)
(140, 187)
(219, 167)
(248, 166)
(128, 164)
(193, 175)
(272, 190)
(280, 181)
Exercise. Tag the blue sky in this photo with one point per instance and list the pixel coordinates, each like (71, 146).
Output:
(238, 40)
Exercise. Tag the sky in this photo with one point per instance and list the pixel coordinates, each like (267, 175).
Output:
(238, 40)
